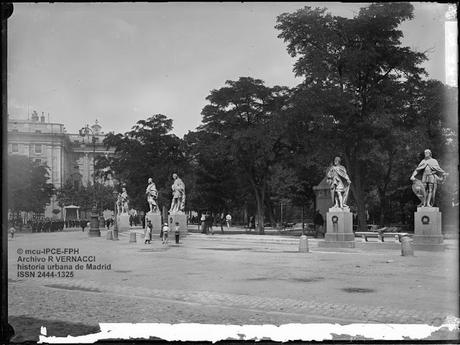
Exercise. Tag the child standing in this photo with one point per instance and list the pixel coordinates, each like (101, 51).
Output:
(165, 233)
(148, 232)
(177, 232)
(12, 231)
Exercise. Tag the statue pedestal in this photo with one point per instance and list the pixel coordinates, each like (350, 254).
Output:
(123, 222)
(155, 218)
(181, 218)
(427, 229)
(339, 229)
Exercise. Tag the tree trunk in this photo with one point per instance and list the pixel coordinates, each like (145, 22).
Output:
(269, 206)
(260, 210)
(383, 206)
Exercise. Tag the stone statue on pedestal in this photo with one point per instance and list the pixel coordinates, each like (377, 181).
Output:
(339, 181)
(178, 192)
(152, 195)
(123, 201)
(425, 179)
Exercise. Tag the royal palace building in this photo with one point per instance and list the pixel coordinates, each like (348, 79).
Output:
(69, 157)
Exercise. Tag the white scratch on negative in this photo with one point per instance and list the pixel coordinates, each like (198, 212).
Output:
(287, 332)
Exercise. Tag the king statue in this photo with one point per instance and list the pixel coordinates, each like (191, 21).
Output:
(152, 196)
(425, 179)
(339, 182)
(178, 192)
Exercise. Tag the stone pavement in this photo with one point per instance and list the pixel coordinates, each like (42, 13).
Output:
(327, 312)
(236, 279)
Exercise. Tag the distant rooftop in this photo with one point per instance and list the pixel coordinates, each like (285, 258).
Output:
(35, 121)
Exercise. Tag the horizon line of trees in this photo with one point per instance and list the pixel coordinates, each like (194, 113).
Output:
(364, 97)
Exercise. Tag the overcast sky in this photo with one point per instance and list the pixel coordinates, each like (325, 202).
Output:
(122, 62)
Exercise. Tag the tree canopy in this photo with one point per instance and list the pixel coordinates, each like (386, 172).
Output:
(244, 127)
(28, 186)
(357, 95)
(148, 150)
(364, 97)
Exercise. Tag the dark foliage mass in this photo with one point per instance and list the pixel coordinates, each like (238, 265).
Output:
(364, 97)
(28, 187)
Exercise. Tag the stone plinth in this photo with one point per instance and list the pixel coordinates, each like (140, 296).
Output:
(339, 229)
(123, 222)
(155, 218)
(427, 229)
(181, 218)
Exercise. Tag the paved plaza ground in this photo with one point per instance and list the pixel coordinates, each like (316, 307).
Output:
(229, 279)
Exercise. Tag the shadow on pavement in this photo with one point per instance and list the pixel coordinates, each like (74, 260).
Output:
(28, 328)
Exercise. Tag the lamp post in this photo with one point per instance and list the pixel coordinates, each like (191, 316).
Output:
(115, 223)
(94, 228)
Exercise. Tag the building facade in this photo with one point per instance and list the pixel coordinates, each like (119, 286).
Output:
(69, 157)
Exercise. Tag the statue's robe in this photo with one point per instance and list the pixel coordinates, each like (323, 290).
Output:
(429, 171)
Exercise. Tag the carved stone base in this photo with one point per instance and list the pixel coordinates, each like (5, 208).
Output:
(339, 229)
(123, 222)
(155, 218)
(427, 229)
(180, 218)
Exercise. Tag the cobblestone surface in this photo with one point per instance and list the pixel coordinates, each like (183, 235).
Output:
(237, 283)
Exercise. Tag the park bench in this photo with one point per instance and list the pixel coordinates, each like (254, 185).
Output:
(381, 234)
(296, 228)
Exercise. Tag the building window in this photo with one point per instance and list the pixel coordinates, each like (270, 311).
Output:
(14, 148)
(38, 148)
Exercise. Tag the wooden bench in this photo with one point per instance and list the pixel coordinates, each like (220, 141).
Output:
(381, 235)
(309, 229)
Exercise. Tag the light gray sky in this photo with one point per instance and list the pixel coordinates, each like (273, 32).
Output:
(122, 62)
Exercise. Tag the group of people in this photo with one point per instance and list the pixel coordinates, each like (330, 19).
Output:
(164, 233)
(47, 225)
(50, 225)
(207, 221)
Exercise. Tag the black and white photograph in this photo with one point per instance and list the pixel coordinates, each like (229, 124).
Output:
(230, 171)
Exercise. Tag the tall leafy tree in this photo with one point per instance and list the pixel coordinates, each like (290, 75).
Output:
(355, 72)
(148, 150)
(84, 196)
(214, 184)
(28, 186)
(244, 120)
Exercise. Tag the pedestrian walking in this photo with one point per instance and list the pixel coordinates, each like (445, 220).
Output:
(228, 219)
(12, 231)
(318, 222)
(252, 223)
(203, 224)
(148, 232)
(165, 233)
(83, 224)
(222, 221)
(177, 232)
